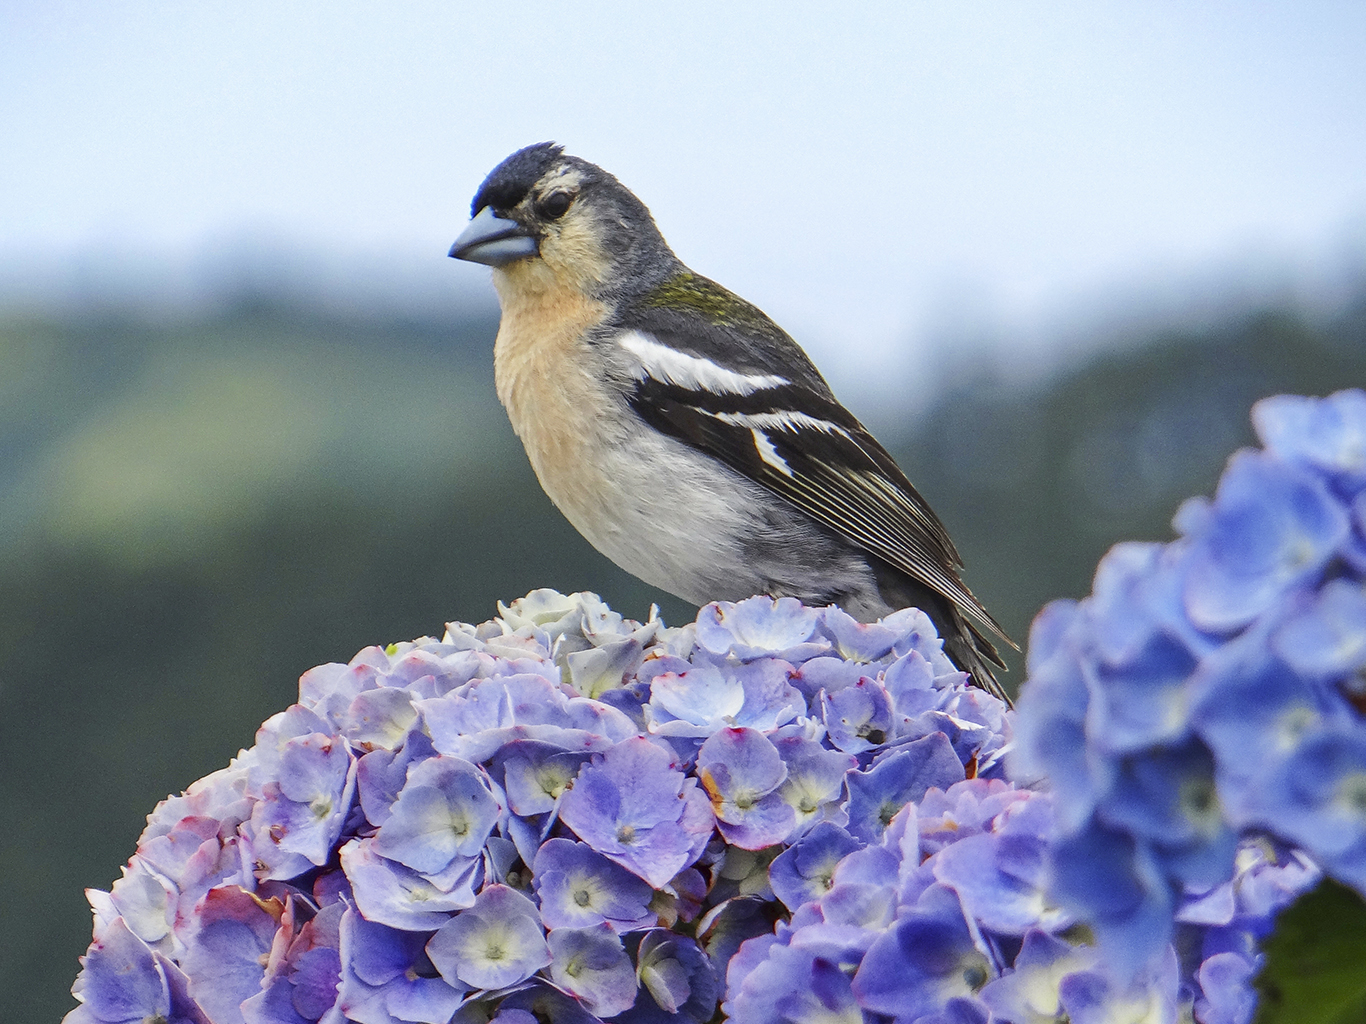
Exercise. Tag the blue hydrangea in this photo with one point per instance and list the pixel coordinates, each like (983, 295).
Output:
(303, 969)
(496, 943)
(1209, 691)
(805, 871)
(442, 817)
(558, 814)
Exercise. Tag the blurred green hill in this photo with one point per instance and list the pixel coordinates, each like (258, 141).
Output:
(194, 511)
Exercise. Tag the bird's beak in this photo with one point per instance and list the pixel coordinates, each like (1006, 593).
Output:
(493, 241)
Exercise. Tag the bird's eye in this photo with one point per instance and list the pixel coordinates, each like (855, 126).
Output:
(555, 205)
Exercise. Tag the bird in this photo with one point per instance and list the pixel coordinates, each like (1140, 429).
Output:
(685, 434)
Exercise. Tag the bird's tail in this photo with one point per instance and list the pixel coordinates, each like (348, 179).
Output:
(966, 645)
(974, 654)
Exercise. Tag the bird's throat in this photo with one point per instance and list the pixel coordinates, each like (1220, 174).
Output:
(542, 326)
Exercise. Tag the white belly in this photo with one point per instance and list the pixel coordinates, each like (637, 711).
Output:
(674, 529)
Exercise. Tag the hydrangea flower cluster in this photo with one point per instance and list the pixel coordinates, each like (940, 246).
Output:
(559, 815)
(947, 920)
(778, 815)
(1212, 690)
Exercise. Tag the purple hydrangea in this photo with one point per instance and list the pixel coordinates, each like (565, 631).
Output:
(559, 814)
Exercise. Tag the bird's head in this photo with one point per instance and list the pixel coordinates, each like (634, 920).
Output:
(545, 219)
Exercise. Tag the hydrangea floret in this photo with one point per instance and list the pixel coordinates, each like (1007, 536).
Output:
(777, 813)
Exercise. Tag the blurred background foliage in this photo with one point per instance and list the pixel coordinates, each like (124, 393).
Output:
(196, 507)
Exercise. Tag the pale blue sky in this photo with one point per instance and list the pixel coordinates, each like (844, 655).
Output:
(863, 172)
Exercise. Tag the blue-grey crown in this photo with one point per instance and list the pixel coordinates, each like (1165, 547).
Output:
(509, 182)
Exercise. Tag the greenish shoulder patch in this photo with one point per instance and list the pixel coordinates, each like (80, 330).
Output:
(697, 294)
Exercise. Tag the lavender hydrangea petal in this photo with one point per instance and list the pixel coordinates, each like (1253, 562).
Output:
(805, 871)
(122, 980)
(579, 888)
(593, 671)
(592, 964)
(1032, 991)
(1317, 800)
(536, 774)
(694, 702)
(814, 785)
(858, 717)
(393, 894)
(916, 966)
(1110, 880)
(1002, 901)
(1167, 797)
(379, 719)
(386, 977)
(1226, 992)
(677, 976)
(1327, 639)
(634, 807)
(876, 795)
(1100, 997)
(758, 627)
(225, 959)
(381, 774)
(1272, 527)
(446, 810)
(1327, 434)
(741, 771)
(795, 986)
(496, 943)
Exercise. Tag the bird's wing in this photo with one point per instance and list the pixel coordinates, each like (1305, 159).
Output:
(804, 447)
